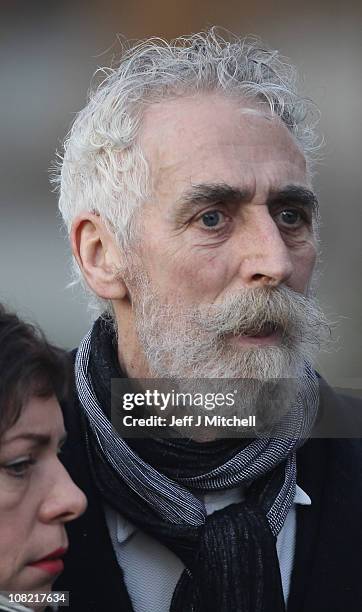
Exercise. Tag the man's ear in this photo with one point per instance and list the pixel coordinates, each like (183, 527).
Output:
(98, 256)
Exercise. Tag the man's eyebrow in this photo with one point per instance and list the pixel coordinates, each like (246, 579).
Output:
(295, 194)
(211, 193)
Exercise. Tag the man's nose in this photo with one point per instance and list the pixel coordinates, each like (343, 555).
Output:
(64, 500)
(267, 261)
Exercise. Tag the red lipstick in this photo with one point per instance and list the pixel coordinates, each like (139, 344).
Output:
(51, 564)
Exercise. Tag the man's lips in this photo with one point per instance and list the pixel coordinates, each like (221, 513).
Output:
(51, 564)
(267, 329)
(269, 334)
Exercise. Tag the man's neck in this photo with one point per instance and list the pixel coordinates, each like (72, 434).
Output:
(130, 353)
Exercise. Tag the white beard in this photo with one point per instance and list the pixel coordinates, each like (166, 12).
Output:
(195, 342)
(192, 347)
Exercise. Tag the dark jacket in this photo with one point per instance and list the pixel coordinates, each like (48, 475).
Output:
(327, 574)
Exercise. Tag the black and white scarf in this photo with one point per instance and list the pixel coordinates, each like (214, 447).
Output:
(230, 556)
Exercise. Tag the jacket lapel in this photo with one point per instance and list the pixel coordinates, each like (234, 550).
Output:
(327, 569)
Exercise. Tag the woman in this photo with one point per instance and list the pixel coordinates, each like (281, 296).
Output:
(37, 495)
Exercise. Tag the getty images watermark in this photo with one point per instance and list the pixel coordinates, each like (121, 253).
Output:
(192, 408)
(221, 408)
(166, 402)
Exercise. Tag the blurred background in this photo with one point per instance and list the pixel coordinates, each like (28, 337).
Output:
(49, 51)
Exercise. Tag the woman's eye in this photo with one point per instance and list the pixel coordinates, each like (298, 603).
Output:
(19, 468)
(291, 217)
(212, 218)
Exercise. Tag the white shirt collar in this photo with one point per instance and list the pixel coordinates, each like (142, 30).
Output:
(301, 497)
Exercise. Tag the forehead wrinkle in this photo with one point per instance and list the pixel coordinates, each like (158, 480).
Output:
(250, 175)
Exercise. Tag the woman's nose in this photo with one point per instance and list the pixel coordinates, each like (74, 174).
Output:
(64, 500)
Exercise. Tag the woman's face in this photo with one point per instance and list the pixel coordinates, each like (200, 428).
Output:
(37, 497)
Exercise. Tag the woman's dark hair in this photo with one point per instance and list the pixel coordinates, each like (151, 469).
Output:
(29, 366)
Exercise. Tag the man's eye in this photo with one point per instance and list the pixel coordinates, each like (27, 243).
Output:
(19, 468)
(291, 217)
(212, 218)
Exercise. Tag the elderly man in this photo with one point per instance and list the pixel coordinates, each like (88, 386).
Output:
(186, 189)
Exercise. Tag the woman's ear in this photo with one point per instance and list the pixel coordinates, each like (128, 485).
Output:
(98, 255)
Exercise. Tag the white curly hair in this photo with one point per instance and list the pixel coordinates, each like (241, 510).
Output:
(103, 168)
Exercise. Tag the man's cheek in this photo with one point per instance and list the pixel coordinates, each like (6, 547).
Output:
(205, 276)
(302, 277)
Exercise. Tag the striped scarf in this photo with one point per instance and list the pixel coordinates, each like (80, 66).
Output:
(230, 556)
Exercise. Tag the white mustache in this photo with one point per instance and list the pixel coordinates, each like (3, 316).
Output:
(254, 311)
